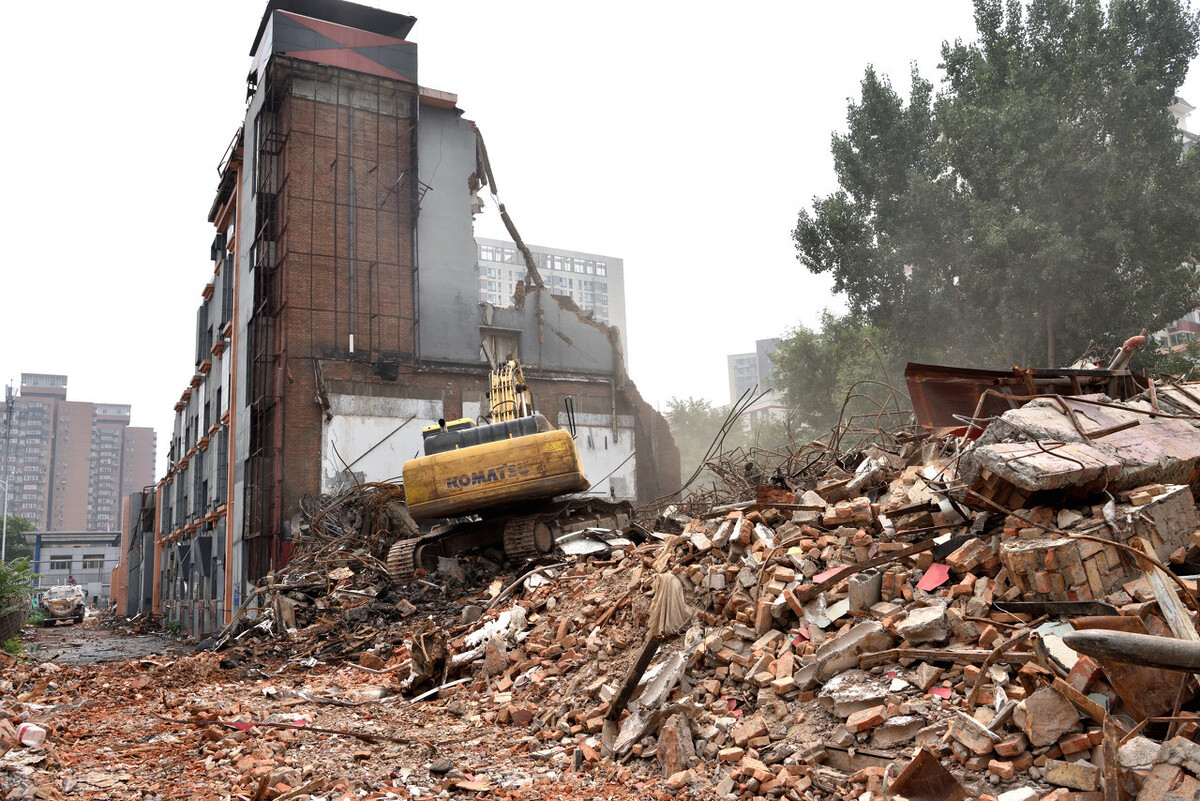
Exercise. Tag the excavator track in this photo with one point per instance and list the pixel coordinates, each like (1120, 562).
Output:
(518, 539)
(401, 560)
(524, 536)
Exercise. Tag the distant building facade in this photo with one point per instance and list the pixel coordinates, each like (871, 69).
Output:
(68, 464)
(86, 556)
(596, 283)
(749, 370)
(743, 374)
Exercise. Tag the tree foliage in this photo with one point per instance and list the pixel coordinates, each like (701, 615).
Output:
(696, 423)
(15, 546)
(817, 368)
(1039, 202)
(16, 585)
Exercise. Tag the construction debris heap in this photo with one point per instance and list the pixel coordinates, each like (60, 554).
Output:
(919, 617)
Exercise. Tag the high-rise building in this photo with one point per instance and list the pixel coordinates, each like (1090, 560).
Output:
(749, 370)
(596, 283)
(343, 316)
(743, 374)
(69, 463)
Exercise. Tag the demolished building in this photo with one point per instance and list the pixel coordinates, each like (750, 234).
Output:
(342, 315)
(992, 596)
(881, 620)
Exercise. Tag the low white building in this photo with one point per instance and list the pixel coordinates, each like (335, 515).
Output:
(87, 556)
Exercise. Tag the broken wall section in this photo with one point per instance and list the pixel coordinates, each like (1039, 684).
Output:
(1049, 568)
(1080, 446)
(625, 444)
(372, 425)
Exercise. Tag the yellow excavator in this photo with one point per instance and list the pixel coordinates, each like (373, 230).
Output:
(499, 481)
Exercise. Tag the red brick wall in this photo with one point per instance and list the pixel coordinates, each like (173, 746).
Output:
(317, 318)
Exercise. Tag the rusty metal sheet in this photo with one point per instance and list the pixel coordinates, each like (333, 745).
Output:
(926, 780)
(939, 392)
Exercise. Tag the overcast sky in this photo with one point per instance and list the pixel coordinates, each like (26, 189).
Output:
(680, 137)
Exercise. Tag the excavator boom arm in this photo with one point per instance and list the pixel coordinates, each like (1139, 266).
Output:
(509, 397)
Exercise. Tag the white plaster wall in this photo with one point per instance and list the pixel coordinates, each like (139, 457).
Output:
(374, 436)
(602, 453)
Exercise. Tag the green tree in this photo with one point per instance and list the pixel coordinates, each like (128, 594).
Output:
(1040, 202)
(694, 424)
(816, 368)
(767, 432)
(16, 585)
(16, 547)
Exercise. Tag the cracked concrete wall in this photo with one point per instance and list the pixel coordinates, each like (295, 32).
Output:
(568, 343)
(1154, 449)
(448, 269)
(447, 263)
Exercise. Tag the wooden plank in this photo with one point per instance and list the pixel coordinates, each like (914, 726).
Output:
(1144, 650)
(1112, 770)
(1168, 600)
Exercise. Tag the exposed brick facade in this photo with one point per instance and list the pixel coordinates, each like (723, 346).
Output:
(335, 150)
(317, 294)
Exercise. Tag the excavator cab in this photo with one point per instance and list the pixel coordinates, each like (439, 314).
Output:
(464, 433)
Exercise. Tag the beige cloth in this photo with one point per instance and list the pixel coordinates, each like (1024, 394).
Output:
(668, 611)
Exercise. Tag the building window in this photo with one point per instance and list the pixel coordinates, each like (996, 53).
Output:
(93, 561)
(60, 562)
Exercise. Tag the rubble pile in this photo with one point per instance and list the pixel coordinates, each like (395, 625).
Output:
(883, 611)
(919, 617)
(189, 727)
(334, 598)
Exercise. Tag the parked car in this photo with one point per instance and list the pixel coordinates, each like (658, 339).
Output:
(64, 602)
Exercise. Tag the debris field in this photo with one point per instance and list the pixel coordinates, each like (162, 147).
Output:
(922, 615)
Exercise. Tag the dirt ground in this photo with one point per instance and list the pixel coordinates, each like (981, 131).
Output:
(140, 717)
(88, 644)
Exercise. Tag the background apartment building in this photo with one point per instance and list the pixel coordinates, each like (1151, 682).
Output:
(69, 463)
(596, 283)
(743, 374)
(342, 314)
(749, 370)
